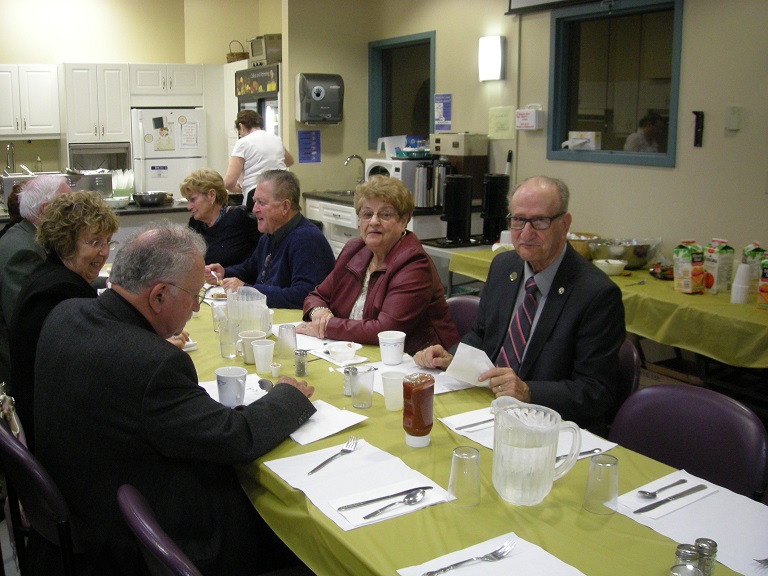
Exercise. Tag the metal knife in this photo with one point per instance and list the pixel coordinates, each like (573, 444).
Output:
(474, 424)
(684, 493)
(380, 498)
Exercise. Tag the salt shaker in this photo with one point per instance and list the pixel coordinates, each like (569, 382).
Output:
(707, 549)
(349, 371)
(300, 358)
(687, 554)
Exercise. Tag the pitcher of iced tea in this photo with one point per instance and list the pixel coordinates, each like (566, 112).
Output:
(525, 450)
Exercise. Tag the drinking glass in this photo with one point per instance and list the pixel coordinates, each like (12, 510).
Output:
(286, 342)
(464, 482)
(602, 494)
(362, 387)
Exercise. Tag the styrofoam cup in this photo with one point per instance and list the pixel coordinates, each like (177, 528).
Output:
(392, 345)
(742, 275)
(739, 294)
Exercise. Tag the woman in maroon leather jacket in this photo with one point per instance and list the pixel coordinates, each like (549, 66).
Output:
(382, 281)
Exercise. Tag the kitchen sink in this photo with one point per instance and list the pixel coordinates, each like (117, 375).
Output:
(341, 192)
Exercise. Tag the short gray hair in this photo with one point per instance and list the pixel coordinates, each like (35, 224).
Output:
(560, 186)
(37, 192)
(286, 186)
(160, 251)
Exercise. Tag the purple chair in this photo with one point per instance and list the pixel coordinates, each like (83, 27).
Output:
(702, 431)
(44, 506)
(161, 554)
(629, 375)
(463, 311)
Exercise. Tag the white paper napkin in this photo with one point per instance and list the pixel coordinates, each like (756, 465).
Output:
(525, 558)
(322, 353)
(443, 382)
(632, 500)
(328, 420)
(738, 524)
(252, 390)
(483, 433)
(365, 470)
(467, 365)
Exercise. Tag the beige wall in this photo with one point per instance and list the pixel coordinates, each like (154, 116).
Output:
(720, 189)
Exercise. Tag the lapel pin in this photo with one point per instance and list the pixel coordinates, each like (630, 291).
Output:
(513, 276)
(561, 290)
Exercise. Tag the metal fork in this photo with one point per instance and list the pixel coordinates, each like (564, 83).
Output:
(348, 447)
(500, 552)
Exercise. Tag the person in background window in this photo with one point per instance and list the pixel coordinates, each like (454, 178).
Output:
(230, 232)
(292, 256)
(383, 280)
(647, 137)
(76, 232)
(255, 152)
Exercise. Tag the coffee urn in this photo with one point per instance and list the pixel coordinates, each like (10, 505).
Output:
(440, 169)
(423, 193)
(458, 209)
(494, 208)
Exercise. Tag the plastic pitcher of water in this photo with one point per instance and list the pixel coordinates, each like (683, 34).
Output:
(525, 449)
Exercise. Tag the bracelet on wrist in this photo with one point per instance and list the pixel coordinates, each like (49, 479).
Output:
(315, 309)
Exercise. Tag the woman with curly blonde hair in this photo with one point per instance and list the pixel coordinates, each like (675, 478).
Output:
(76, 232)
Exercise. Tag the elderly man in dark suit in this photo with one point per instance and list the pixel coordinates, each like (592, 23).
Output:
(20, 255)
(116, 403)
(551, 321)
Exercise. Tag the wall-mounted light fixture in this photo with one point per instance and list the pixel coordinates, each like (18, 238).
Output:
(490, 58)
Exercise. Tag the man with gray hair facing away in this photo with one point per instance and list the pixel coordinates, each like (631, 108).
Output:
(20, 255)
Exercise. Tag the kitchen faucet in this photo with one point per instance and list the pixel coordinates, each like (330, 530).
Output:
(361, 179)
(10, 158)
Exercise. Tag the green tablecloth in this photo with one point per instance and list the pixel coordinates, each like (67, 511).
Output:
(597, 545)
(707, 324)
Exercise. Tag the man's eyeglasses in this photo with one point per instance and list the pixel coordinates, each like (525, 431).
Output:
(537, 222)
(384, 216)
(99, 245)
(200, 296)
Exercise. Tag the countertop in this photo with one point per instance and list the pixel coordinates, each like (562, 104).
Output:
(130, 210)
(348, 200)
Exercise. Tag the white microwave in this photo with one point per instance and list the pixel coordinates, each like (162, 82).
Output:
(403, 170)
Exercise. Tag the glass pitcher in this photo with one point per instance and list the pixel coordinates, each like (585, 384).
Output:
(525, 449)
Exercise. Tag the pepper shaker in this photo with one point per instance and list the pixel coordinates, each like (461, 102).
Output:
(300, 358)
(687, 554)
(707, 549)
(349, 371)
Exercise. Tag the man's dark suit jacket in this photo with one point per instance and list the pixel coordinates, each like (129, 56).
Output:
(115, 403)
(571, 362)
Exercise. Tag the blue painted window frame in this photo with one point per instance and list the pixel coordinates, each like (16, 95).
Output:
(558, 77)
(375, 84)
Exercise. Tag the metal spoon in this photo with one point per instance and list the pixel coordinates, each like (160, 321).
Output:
(647, 494)
(265, 384)
(637, 283)
(580, 454)
(413, 497)
(218, 280)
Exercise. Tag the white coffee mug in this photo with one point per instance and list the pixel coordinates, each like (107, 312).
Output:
(231, 384)
(244, 347)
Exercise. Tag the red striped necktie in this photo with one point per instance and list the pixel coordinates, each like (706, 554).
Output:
(517, 336)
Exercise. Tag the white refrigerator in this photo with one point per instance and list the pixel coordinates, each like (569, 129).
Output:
(168, 144)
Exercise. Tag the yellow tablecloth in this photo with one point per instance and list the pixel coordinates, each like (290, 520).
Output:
(597, 545)
(707, 324)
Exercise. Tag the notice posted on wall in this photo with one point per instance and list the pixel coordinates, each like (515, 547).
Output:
(443, 116)
(309, 146)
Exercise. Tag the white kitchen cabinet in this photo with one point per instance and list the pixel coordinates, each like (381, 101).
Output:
(98, 103)
(166, 84)
(29, 100)
(339, 221)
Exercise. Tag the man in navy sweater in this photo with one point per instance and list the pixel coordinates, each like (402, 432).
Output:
(292, 256)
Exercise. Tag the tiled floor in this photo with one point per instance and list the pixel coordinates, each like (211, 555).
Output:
(8, 562)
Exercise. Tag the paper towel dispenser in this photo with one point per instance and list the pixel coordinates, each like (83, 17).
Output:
(319, 98)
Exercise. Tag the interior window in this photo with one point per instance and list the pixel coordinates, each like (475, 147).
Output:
(401, 86)
(615, 73)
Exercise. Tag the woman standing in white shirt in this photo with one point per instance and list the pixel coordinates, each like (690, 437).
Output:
(255, 152)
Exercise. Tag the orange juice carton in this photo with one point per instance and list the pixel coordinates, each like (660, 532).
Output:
(753, 255)
(688, 263)
(762, 287)
(718, 265)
